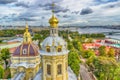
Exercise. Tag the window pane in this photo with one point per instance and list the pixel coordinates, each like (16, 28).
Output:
(59, 49)
(59, 69)
(24, 51)
(48, 49)
(48, 69)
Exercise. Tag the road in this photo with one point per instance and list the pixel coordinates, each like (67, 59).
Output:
(84, 73)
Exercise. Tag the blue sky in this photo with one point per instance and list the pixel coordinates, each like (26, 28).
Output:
(69, 12)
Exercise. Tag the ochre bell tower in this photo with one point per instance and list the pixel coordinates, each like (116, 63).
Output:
(54, 54)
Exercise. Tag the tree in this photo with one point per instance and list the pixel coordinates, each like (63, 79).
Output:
(83, 38)
(106, 68)
(1, 72)
(74, 61)
(70, 46)
(102, 51)
(88, 53)
(89, 40)
(75, 41)
(77, 44)
(0, 41)
(80, 47)
(89, 62)
(1, 61)
(38, 37)
(5, 54)
(111, 52)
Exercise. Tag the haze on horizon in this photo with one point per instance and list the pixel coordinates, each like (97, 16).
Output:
(69, 12)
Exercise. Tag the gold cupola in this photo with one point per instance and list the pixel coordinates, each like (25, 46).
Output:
(53, 20)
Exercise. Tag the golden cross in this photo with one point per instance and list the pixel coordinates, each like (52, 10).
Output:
(53, 5)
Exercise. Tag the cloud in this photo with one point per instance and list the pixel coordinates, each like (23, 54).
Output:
(106, 1)
(22, 4)
(67, 11)
(66, 16)
(7, 1)
(86, 11)
(23, 19)
(75, 12)
(27, 19)
(112, 5)
(57, 8)
(58, 15)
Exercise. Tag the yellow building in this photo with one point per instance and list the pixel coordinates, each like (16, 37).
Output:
(54, 54)
(25, 61)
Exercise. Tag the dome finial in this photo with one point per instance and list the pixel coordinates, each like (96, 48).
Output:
(53, 5)
(27, 37)
(26, 27)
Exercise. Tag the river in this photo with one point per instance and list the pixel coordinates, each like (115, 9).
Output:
(100, 30)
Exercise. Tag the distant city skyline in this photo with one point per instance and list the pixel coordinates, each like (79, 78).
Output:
(69, 12)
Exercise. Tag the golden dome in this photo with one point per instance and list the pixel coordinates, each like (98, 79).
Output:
(53, 21)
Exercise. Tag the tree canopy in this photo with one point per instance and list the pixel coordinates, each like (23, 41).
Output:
(5, 54)
(102, 51)
(104, 68)
(1, 72)
(74, 61)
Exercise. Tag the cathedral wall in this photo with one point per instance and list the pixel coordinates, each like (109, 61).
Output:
(58, 67)
(13, 72)
(25, 59)
(29, 72)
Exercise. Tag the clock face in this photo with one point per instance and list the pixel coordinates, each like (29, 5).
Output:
(24, 51)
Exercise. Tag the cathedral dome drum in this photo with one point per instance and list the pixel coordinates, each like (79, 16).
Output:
(56, 42)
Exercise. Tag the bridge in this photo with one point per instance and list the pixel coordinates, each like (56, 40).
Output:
(112, 33)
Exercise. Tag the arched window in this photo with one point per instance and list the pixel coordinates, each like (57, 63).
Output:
(59, 69)
(53, 31)
(59, 48)
(24, 51)
(48, 48)
(66, 66)
(48, 69)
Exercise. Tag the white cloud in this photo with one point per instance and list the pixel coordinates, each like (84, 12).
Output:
(76, 5)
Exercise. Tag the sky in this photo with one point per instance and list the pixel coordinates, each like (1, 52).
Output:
(69, 12)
